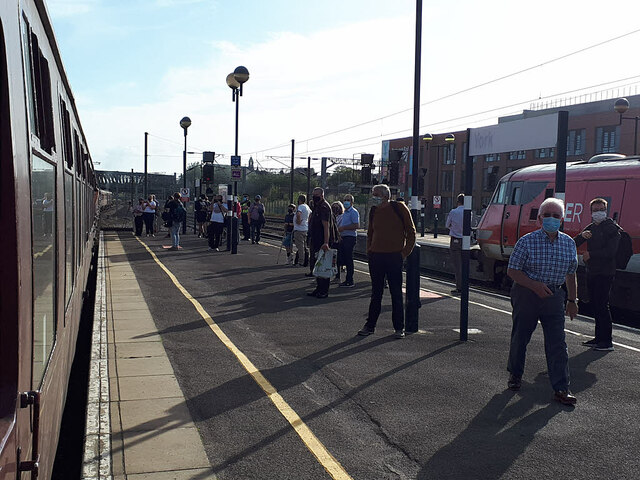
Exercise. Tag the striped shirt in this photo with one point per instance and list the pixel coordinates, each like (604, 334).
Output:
(543, 260)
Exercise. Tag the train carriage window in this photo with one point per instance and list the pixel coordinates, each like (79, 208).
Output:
(500, 193)
(28, 73)
(38, 86)
(68, 238)
(43, 224)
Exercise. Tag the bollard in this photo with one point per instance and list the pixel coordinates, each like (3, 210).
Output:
(412, 297)
(435, 226)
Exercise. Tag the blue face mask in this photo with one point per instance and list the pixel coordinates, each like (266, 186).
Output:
(346, 204)
(376, 200)
(550, 224)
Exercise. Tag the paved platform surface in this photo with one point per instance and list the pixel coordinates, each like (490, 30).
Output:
(221, 367)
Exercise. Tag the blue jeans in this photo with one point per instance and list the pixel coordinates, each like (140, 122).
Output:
(175, 233)
(345, 255)
(527, 309)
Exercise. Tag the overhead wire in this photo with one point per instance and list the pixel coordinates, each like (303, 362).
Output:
(474, 87)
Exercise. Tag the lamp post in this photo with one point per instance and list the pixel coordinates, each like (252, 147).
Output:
(621, 106)
(184, 123)
(235, 81)
(449, 139)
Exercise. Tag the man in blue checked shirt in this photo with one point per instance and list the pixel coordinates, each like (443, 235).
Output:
(541, 262)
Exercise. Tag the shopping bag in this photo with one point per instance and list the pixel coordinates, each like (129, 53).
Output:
(325, 266)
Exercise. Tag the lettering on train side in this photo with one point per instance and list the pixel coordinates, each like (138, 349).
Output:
(572, 212)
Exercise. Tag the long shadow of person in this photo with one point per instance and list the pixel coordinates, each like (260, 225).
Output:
(501, 432)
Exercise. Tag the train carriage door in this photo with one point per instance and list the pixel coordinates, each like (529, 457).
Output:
(9, 307)
(511, 217)
(611, 190)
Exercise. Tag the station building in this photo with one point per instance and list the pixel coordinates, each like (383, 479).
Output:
(594, 128)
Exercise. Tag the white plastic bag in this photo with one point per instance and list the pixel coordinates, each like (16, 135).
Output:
(326, 266)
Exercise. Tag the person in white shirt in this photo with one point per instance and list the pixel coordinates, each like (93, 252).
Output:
(149, 214)
(300, 229)
(454, 224)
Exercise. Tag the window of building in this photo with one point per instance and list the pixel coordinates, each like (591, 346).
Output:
(576, 142)
(545, 152)
(43, 201)
(518, 155)
(449, 152)
(490, 178)
(447, 181)
(494, 157)
(607, 139)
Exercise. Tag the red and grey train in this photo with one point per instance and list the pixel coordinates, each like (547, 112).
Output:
(513, 212)
(48, 216)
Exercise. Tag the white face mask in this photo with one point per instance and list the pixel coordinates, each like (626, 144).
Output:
(598, 217)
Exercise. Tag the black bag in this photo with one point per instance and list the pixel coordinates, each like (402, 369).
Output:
(624, 251)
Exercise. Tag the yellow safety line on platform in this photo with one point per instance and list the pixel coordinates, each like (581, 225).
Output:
(330, 464)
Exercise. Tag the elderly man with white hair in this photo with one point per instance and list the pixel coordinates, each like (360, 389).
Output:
(541, 262)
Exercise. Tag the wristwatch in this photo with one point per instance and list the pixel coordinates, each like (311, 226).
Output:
(573, 301)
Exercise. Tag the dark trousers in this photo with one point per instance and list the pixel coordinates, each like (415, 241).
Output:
(138, 222)
(255, 231)
(345, 256)
(599, 287)
(389, 265)
(246, 229)
(455, 250)
(322, 284)
(148, 222)
(214, 232)
(528, 308)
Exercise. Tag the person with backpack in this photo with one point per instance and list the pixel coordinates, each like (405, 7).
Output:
(256, 219)
(202, 211)
(603, 237)
(178, 215)
(391, 236)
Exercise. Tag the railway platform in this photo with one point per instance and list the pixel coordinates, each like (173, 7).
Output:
(220, 366)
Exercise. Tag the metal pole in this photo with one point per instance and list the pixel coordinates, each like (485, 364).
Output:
(293, 147)
(184, 174)
(466, 242)
(233, 221)
(435, 210)
(561, 154)
(413, 262)
(146, 184)
(635, 137)
(308, 177)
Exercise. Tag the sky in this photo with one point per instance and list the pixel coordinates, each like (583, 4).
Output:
(336, 76)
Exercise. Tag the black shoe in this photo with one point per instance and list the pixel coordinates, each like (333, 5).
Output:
(399, 334)
(456, 291)
(312, 294)
(565, 397)
(590, 343)
(347, 284)
(604, 347)
(366, 330)
(322, 295)
(308, 274)
(514, 382)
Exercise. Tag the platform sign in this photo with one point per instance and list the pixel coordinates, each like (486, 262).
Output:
(235, 160)
(236, 173)
(437, 201)
(184, 194)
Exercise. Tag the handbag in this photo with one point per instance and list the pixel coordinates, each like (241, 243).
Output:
(325, 266)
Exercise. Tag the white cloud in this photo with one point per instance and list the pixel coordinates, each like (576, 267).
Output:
(70, 8)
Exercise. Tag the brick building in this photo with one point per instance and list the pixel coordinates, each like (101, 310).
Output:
(594, 128)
